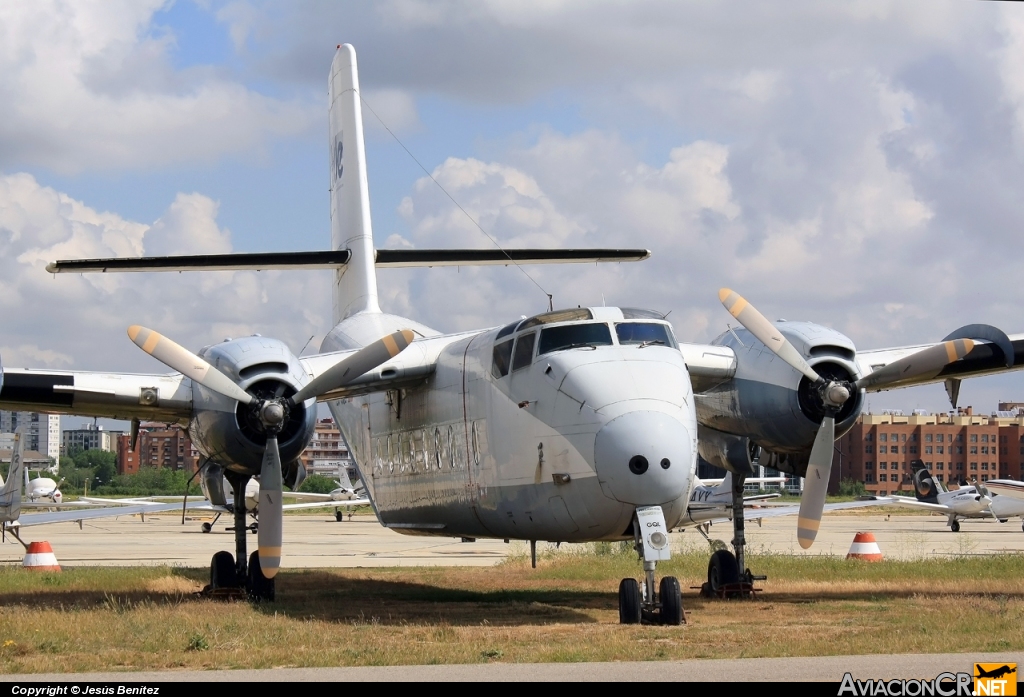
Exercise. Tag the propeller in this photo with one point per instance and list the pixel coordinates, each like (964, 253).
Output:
(834, 394)
(271, 413)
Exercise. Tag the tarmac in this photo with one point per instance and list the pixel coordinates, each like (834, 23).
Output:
(312, 541)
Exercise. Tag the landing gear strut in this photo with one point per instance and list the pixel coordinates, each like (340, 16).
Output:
(232, 576)
(638, 602)
(728, 576)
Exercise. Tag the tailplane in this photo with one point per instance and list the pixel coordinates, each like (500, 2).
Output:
(355, 284)
(925, 486)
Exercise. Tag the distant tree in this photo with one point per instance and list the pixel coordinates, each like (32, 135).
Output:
(852, 487)
(318, 484)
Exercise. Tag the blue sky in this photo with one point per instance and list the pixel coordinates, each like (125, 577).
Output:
(853, 164)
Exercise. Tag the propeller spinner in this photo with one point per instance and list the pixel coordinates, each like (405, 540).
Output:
(834, 394)
(271, 413)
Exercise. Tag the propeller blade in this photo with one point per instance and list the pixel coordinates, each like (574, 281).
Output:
(756, 323)
(187, 363)
(270, 509)
(359, 363)
(927, 362)
(812, 501)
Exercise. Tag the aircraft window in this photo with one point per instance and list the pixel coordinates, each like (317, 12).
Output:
(508, 329)
(637, 313)
(557, 316)
(524, 351)
(644, 334)
(574, 336)
(501, 359)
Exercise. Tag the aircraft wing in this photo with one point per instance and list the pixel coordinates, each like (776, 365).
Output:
(914, 503)
(993, 352)
(166, 398)
(326, 504)
(410, 366)
(92, 513)
(777, 511)
(1003, 487)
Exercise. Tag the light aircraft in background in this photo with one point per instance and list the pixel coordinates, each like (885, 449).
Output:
(998, 498)
(573, 425)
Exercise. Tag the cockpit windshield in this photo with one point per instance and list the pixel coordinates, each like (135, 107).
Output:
(570, 336)
(644, 334)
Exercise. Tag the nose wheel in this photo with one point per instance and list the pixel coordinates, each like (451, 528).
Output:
(638, 603)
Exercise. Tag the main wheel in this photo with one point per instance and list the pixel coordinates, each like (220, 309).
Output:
(207, 527)
(629, 601)
(222, 571)
(955, 526)
(722, 571)
(671, 601)
(339, 516)
(258, 586)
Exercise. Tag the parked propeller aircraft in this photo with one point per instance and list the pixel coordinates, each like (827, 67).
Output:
(992, 499)
(573, 425)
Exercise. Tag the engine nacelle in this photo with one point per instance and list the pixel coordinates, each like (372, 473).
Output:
(770, 405)
(230, 433)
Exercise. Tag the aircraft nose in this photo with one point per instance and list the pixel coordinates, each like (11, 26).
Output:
(644, 457)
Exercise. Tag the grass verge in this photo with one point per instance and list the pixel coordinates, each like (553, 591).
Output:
(86, 619)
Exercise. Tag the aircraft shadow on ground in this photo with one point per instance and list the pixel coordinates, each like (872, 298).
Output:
(333, 598)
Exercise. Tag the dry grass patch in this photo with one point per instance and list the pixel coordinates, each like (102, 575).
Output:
(566, 610)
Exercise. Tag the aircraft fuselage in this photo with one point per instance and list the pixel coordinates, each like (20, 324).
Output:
(526, 433)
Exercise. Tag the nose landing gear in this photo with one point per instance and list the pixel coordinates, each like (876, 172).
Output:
(638, 602)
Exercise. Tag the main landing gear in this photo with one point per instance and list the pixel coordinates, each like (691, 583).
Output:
(725, 578)
(955, 526)
(637, 601)
(232, 576)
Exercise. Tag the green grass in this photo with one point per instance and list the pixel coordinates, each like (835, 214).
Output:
(565, 610)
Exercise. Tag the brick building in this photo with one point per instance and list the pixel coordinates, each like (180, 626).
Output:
(160, 445)
(327, 452)
(954, 446)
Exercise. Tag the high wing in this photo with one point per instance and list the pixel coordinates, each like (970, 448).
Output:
(710, 365)
(31, 519)
(409, 367)
(152, 397)
(778, 511)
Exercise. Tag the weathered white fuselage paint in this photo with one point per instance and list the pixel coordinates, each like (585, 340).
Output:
(540, 453)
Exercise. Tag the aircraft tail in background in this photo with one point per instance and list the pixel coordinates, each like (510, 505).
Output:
(925, 486)
(10, 493)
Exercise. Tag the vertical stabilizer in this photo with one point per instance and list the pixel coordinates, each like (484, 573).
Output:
(355, 285)
(10, 493)
(925, 486)
(724, 486)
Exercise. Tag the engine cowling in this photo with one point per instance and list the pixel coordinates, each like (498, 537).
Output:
(230, 433)
(771, 406)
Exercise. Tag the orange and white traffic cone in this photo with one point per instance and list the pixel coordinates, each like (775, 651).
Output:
(865, 547)
(40, 557)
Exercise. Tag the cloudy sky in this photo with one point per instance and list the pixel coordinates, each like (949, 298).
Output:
(856, 164)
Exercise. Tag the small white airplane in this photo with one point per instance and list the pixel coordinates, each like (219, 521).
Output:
(573, 425)
(1001, 499)
(43, 490)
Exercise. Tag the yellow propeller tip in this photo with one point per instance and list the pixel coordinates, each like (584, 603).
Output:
(133, 331)
(805, 544)
(724, 293)
(408, 335)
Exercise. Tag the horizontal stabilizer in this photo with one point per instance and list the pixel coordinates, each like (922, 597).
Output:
(385, 258)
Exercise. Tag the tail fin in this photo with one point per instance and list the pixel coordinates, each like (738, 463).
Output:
(10, 493)
(724, 486)
(926, 487)
(355, 284)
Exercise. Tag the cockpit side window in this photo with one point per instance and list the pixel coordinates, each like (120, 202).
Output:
(524, 351)
(645, 334)
(570, 336)
(501, 359)
(508, 329)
